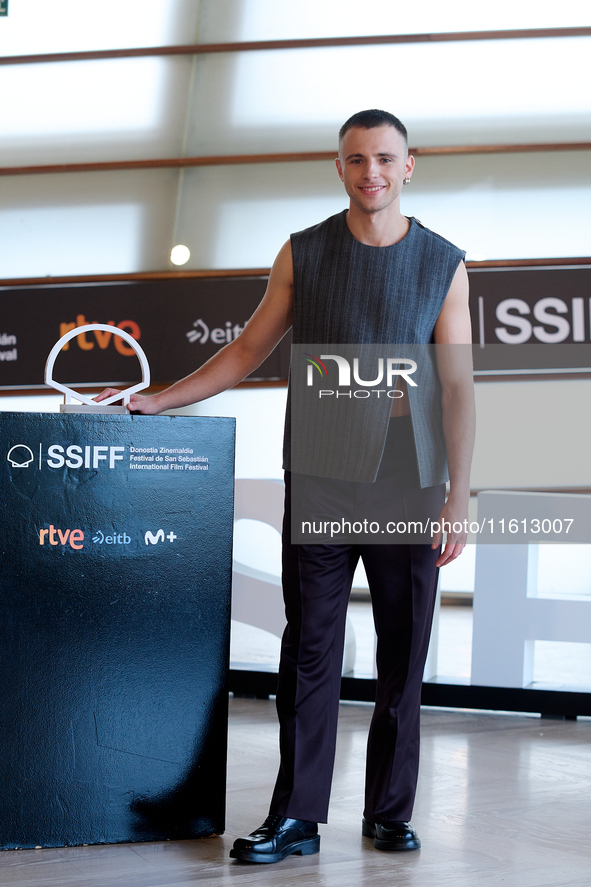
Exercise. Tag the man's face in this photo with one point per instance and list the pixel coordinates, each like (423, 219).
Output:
(372, 164)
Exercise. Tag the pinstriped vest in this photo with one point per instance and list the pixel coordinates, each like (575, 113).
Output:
(348, 293)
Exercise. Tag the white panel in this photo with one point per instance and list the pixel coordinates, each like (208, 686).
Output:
(458, 576)
(260, 414)
(42, 403)
(86, 223)
(506, 206)
(239, 216)
(95, 110)
(493, 206)
(558, 663)
(503, 648)
(71, 97)
(564, 571)
(257, 545)
(290, 19)
(446, 93)
(532, 434)
(76, 238)
(39, 26)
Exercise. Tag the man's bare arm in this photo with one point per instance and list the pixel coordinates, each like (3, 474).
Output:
(454, 365)
(231, 364)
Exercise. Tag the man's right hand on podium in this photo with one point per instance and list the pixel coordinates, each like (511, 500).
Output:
(138, 403)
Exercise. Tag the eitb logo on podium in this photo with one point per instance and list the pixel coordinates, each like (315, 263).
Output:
(3, 7)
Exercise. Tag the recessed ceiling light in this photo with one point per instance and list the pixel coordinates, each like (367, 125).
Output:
(180, 254)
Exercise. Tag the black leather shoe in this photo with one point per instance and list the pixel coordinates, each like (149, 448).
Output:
(277, 838)
(391, 835)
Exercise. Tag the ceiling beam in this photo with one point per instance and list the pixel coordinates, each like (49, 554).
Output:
(259, 272)
(292, 157)
(311, 43)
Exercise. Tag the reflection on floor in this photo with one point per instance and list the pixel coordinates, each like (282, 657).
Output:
(503, 801)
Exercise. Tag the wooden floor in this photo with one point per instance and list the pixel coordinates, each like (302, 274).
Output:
(504, 801)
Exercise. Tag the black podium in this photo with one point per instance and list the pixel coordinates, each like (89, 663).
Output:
(116, 538)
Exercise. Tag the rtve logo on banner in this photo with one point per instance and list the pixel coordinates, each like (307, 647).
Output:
(395, 366)
(102, 337)
(55, 536)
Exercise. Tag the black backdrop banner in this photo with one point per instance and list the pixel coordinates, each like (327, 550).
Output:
(548, 306)
(181, 323)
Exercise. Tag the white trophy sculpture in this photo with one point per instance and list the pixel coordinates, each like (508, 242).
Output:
(85, 403)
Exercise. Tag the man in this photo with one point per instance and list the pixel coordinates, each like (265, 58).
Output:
(369, 275)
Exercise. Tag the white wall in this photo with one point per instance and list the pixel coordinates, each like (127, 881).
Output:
(529, 434)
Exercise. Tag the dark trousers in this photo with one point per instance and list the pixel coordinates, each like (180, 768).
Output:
(316, 582)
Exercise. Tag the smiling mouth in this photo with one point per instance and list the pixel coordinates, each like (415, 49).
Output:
(373, 189)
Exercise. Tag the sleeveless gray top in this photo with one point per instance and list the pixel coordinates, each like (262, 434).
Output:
(349, 293)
